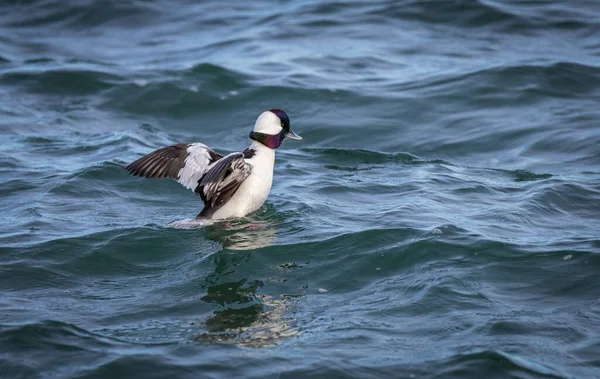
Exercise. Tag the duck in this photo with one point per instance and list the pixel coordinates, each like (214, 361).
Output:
(232, 185)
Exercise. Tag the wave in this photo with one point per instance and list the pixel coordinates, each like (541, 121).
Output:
(93, 354)
(89, 353)
(565, 198)
(61, 81)
(471, 14)
(488, 16)
(199, 97)
(76, 15)
(53, 334)
(528, 176)
(197, 91)
(471, 364)
(519, 82)
(178, 94)
(358, 156)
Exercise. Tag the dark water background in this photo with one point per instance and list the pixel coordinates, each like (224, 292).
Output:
(440, 219)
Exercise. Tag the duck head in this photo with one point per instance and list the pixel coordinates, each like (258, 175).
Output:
(272, 127)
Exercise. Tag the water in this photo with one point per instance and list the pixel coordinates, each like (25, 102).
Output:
(440, 218)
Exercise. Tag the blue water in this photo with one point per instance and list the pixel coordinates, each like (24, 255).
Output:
(440, 218)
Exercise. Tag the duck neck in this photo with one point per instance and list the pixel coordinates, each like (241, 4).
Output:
(263, 153)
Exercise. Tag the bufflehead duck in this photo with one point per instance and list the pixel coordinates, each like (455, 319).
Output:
(230, 186)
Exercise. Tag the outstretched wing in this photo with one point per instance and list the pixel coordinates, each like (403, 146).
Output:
(186, 163)
(221, 181)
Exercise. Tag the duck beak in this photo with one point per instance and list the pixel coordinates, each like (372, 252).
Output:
(292, 135)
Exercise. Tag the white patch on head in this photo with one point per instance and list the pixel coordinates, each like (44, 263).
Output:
(196, 165)
(267, 123)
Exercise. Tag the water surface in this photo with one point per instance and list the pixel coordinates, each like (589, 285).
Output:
(439, 219)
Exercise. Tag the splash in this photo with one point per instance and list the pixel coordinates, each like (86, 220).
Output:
(190, 223)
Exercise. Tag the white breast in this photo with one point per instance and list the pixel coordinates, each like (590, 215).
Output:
(253, 192)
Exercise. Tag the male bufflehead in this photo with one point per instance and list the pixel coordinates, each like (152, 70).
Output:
(230, 186)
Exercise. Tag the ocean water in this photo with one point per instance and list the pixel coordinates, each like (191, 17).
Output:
(440, 219)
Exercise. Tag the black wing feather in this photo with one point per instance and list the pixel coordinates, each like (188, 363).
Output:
(221, 182)
(162, 163)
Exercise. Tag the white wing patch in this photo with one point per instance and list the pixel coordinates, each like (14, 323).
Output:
(196, 165)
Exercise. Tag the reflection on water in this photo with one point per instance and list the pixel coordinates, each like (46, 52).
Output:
(243, 234)
(239, 234)
(243, 317)
(263, 322)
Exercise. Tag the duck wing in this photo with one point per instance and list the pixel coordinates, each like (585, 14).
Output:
(221, 181)
(186, 163)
